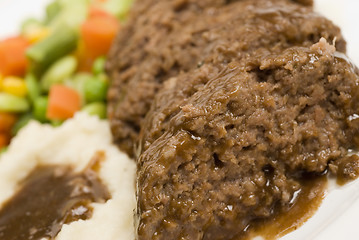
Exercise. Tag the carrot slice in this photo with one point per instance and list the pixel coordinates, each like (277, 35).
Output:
(99, 1)
(63, 103)
(98, 33)
(98, 12)
(12, 56)
(7, 121)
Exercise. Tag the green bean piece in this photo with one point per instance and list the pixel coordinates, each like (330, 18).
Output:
(12, 103)
(96, 89)
(119, 8)
(61, 42)
(73, 13)
(33, 87)
(58, 72)
(40, 108)
(98, 66)
(21, 122)
(96, 109)
(30, 25)
(52, 10)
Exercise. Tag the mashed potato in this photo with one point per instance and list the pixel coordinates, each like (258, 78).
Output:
(75, 143)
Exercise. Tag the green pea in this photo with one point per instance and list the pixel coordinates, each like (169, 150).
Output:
(95, 89)
(56, 123)
(40, 108)
(96, 109)
(98, 66)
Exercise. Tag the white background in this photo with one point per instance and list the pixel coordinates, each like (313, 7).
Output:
(338, 217)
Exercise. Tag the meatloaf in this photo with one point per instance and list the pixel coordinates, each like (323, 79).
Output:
(166, 37)
(227, 106)
(226, 150)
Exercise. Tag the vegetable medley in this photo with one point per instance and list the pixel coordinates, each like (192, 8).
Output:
(55, 66)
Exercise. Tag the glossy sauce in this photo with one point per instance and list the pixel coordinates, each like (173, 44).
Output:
(48, 198)
(305, 203)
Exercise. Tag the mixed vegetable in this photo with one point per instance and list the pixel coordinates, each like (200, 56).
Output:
(55, 67)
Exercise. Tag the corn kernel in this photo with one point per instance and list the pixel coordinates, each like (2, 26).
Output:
(15, 86)
(37, 35)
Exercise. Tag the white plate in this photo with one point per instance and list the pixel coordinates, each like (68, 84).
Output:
(338, 216)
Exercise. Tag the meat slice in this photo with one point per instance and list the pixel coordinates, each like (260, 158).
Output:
(223, 150)
(227, 106)
(165, 38)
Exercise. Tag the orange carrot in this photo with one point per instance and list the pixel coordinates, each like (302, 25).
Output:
(63, 103)
(4, 140)
(12, 56)
(98, 12)
(7, 121)
(98, 2)
(98, 33)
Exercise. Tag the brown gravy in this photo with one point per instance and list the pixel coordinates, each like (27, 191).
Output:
(48, 198)
(305, 203)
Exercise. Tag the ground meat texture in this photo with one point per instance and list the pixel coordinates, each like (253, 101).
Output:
(229, 106)
(165, 38)
(234, 145)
